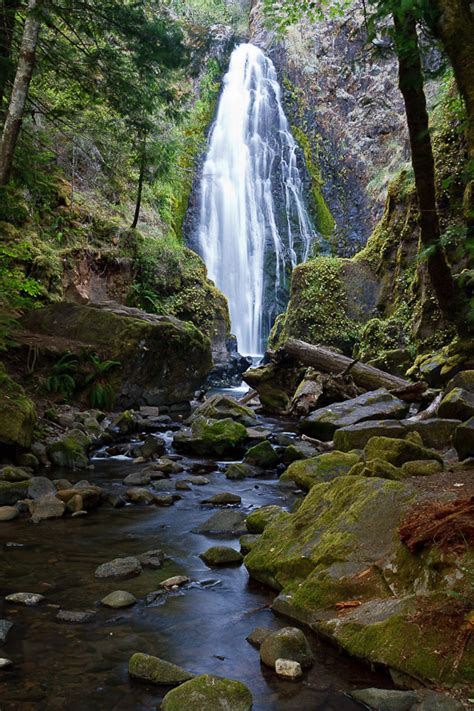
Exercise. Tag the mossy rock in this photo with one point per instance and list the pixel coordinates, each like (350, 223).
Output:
(70, 451)
(426, 467)
(11, 492)
(258, 520)
(325, 467)
(17, 413)
(458, 404)
(298, 450)
(157, 671)
(219, 407)
(275, 384)
(13, 474)
(242, 471)
(435, 432)
(221, 555)
(356, 436)
(287, 643)
(247, 542)
(262, 455)
(398, 451)
(464, 380)
(209, 693)
(463, 439)
(211, 437)
(378, 467)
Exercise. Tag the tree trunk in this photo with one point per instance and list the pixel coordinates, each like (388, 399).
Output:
(19, 94)
(8, 10)
(411, 86)
(454, 26)
(140, 186)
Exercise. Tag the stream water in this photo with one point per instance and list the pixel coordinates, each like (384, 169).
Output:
(253, 224)
(202, 627)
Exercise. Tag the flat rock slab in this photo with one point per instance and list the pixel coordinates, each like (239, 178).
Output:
(386, 699)
(118, 599)
(128, 567)
(157, 671)
(356, 436)
(25, 598)
(222, 499)
(175, 582)
(8, 513)
(76, 617)
(435, 432)
(231, 522)
(5, 627)
(152, 559)
(197, 480)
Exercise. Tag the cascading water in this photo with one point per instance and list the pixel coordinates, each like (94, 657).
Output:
(253, 223)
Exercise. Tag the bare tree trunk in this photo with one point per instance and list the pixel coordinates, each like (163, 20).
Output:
(141, 178)
(8, 10)
(24, 72)
(411, 86)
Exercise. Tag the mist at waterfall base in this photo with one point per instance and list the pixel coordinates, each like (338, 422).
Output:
(253, 223)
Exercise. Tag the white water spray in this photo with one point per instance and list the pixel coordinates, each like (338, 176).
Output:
(251, 194)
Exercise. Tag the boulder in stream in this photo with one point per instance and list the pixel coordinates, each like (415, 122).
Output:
(228, 521)
(128, 567)
(287, 643)
(157, 671)
(118, 599)
(221, 555)
(208, 693)
(211, 437)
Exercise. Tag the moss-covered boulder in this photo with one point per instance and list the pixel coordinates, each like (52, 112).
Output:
(357, 436)
(398, 451)
(463, 439)
(330, 300)
(13, 474)
(426, 467)
(220, 407)
(11, 492)
(162, 360)
(275, 383)
(209, 693)
(247, 542)
(258, 520)
(287, 643)
(221, 555)
(375, 405)
(325, 467)
(155, 670)
(378, 467)
(463, 380)
(298, 450)
(262, 455)
(435, 432)
(70, 450)
(17, 413)
(208, 437)
(458, 404)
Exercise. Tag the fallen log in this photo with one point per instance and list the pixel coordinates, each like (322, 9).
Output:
(366, 376)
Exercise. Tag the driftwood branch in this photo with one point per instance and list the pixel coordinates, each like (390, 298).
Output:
(365, 376)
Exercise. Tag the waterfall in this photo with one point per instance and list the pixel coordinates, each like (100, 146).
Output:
(253, 224)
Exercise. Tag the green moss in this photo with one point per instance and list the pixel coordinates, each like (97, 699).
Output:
(152, 669)
(11, 492)
(378, 467)
(258, 520)
(208, 693)
(17, 413)
(325, 467)
(262, 455)
(398, 451)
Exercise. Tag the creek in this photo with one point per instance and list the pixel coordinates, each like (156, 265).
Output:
(201, 627)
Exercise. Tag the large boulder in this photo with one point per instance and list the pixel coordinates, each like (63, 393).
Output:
(457, 404)
(211, 437)
(17, 413)
(162, 360)
(11, 492)
(46, 507)
(375, 405)
(262, 455)
(464, 380)
(463, 439)
(70, 450)
(219, 407)
(208, 693)
(357, 436)
(398, 451)
(287, 643)
(258, 520)
(221, 555)
(435, 432)
(325, 467)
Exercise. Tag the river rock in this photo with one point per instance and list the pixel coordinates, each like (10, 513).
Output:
(463, 439)
(374, 405)
(138, 495)
(5, 627)
(76, 617)
(258, 520)
(298, 450)
(152, 559)
(40, 486)
(209, 693)
(45, 508)
(458, 404)
(12, 474)
(25, 598)
(357, 436)
(398, 451)
(8, 513)
(138, 341)
(288, 669)
(70, 450)
(157, 671)
(118, 599)
(223, 498)
(164, 485)
(235, 472)
(211, 437)
(90, 494)
(258, 635)
(182, 485)
(137, 479)
(434, 701)
(75, 504)
(197, 480)
(386, 699)
(435, 432)
(262, 455)
(258, 433)
(175, 582)
(165, 466)
(378, 468)
(11, 492)
(219, 407)
(325, 467)
(127, 567)
(164, 499)
(231, 522)
(221, 555)
(287, 643)
(247, 541)
(62, 484)
(151, 446)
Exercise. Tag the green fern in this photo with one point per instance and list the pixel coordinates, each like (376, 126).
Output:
(62, 379)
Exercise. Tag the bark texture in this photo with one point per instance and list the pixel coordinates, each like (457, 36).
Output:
(8, 10)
